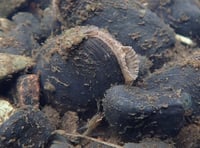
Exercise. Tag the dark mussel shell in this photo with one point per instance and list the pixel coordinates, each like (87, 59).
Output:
(183, 77)
(25, 128)
(160, 107)
(182, 15)
(137, 112)
(128, 21)
(79, 65)
(180, 79)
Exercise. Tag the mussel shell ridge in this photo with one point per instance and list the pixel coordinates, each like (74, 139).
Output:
(76, 70)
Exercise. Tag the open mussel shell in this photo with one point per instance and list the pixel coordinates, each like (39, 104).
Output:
(26, 127)
(182, 15)
(79, 65)
(128, 21)
(137, 112)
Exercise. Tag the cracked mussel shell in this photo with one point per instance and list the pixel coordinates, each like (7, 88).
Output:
(24, 127)
(161, 106)
(77, 66)
(182, 15)
(128, 21)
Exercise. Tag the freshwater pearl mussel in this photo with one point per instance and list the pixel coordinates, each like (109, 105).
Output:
(79, 65)
(86, 70)
(74, 69)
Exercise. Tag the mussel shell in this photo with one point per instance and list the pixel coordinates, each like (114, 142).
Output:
(76, 80)
(128, 21)
(182, 15)
(179, 79)
(26, 127)
(137, 112)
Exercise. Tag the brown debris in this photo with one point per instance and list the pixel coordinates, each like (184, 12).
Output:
(28, 90)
